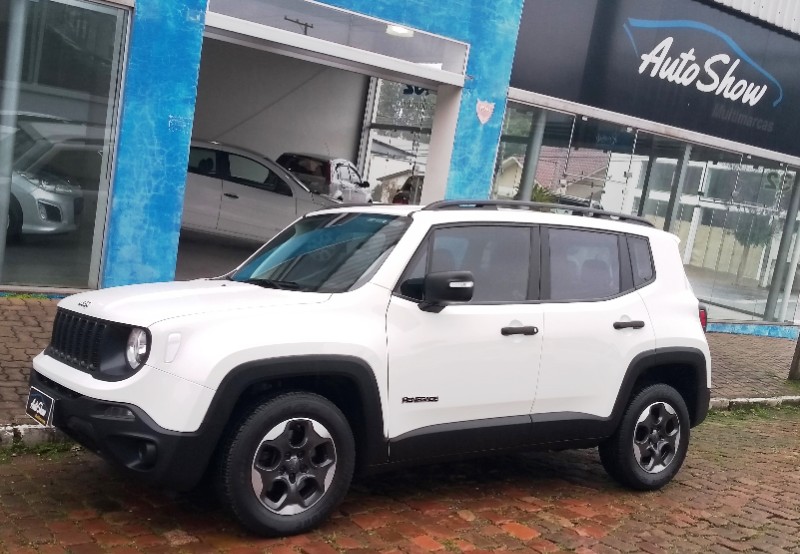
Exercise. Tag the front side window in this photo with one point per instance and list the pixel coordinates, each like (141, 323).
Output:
(584, 265)
(325, 253)
(497, 256)
(247, 171)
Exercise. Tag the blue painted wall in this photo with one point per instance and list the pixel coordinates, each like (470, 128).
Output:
(158, 111)
(491, 30)
(155, 129)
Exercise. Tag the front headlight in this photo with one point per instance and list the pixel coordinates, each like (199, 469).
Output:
(49, 184)
(136, 351)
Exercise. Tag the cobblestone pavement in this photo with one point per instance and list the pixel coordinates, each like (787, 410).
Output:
(25, 326)
(738, 491)
(742, 366)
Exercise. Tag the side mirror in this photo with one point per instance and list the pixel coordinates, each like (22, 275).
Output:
(364, 184)
(446, 287)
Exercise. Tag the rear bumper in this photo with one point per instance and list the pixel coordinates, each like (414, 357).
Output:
(126, 436)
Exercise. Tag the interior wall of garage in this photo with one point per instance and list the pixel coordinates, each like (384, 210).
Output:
(273, 104)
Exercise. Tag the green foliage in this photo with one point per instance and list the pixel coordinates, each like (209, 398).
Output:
(750, 413)
(49, 450)
(541, 194)
(27, 296)
(753, 230)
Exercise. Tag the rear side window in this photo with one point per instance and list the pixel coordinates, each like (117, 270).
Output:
(641, 260)
(203, 161)
(303, 165)
(584, 265)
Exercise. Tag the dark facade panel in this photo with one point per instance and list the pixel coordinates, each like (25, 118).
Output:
(676, 62)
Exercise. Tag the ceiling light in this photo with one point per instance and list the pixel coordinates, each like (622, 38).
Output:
(399, 31)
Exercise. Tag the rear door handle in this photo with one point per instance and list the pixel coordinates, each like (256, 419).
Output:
(506, 331)
(628, 324)
(229, 195)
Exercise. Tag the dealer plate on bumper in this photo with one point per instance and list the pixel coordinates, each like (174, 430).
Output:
(40, 406)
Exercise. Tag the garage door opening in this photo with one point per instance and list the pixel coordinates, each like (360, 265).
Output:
(275, 137)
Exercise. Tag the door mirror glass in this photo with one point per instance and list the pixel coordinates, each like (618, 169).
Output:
(446, 287)
(364, 184)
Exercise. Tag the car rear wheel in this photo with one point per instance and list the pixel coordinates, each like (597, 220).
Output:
(651, 441)
(288, 465)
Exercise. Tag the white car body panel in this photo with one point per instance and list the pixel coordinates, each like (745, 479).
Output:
(252, 212)
(584, 359)
(172, 402)
(201, 330)
(460, 357)
(202, 199)
(144, 305)
(276, 331)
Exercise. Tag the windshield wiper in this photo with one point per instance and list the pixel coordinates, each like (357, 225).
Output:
(274, 284)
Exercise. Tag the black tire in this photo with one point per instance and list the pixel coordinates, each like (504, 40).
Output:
(651, 442)
(14, 228)
(292, 469)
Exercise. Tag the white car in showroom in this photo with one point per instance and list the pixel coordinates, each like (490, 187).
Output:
(336, 178)
(238, 193)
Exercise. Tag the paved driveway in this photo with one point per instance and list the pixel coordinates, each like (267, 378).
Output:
(740, 490)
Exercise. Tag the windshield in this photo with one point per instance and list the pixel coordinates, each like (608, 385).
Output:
(325, 253)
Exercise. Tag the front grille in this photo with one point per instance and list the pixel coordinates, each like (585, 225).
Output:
(77, 340)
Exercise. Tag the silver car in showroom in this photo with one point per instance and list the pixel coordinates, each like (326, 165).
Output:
(42, 201)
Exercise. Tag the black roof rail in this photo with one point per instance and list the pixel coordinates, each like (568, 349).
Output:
(534, 206)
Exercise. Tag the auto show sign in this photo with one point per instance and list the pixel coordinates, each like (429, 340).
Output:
(676, 62)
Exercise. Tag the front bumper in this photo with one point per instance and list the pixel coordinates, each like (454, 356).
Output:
(125, 435)
(45, 212)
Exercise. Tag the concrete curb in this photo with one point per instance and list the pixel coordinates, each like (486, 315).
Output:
(29, 435)
(33, 435)
(722, 404)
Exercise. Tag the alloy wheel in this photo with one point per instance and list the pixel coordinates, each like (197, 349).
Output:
(293, 466)
(656, 437)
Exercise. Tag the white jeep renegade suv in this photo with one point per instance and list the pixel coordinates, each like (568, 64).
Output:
(365, 338)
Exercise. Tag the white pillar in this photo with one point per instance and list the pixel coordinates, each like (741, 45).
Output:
(787, 289)
(9, 105)
(443, 132)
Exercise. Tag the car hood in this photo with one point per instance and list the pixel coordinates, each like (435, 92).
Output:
(145, 305)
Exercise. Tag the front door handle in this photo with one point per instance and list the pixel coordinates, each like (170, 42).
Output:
(506, 331)
(628, 324)
(229, 195)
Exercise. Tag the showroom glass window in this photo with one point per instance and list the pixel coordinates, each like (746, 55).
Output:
(59, 137)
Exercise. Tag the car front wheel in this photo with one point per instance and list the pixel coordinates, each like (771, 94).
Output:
(651, 442)
(288, 465)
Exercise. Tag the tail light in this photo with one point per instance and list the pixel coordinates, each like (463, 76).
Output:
(703, 312)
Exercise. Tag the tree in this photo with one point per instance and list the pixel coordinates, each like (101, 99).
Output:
(541, 194)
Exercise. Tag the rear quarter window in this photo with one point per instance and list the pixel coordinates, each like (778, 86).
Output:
(641, 260)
